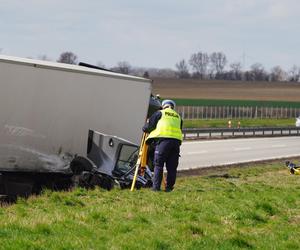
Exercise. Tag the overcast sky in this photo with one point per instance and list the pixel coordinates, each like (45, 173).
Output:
(156, 33)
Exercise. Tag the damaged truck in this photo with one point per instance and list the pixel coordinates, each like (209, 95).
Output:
(63, 125)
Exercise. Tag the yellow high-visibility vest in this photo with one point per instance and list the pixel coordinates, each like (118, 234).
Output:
(168, 126)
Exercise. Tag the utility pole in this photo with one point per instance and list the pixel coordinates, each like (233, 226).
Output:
(244, 60)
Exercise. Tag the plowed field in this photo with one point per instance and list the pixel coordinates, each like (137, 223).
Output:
(233, 90)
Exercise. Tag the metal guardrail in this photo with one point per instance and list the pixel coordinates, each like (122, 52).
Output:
(197, 133)
(238, 112)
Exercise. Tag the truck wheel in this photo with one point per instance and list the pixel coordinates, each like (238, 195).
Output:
(80, 164)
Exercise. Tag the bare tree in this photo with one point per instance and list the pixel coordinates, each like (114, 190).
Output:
(278, 74)
(218, 62)
(182, 69)
(236, 71)
(258, 72)
(123, 67)
(67, 57)
(294, 74)
(199, 62)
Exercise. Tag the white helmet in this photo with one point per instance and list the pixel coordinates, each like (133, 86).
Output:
(168, 103)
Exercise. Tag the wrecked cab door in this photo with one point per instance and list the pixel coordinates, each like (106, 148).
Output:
(111, 161)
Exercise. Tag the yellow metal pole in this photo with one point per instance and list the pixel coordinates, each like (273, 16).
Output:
(164, 181)
(138, 163)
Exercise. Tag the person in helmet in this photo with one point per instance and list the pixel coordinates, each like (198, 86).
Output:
(165, 132)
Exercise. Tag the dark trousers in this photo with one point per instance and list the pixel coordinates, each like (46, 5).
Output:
(166, 152)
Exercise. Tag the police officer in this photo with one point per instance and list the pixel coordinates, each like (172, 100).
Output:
(164, 128)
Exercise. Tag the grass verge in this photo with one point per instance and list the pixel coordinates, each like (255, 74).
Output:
(241, 208)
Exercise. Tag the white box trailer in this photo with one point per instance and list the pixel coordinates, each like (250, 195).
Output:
(48, 110)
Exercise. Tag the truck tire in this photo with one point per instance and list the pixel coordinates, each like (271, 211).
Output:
(80, 164)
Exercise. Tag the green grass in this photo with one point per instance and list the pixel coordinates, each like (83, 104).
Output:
(221, 123)
(248, 208)
(235, 103)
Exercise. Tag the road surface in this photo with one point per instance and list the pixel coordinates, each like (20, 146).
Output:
(199, 154)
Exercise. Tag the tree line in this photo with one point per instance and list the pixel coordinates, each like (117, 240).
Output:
(200, 65)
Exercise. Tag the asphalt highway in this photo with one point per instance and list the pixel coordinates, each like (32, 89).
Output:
(199, 154)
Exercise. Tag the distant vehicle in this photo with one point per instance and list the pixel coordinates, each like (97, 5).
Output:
(297, 122)
(52, 120)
